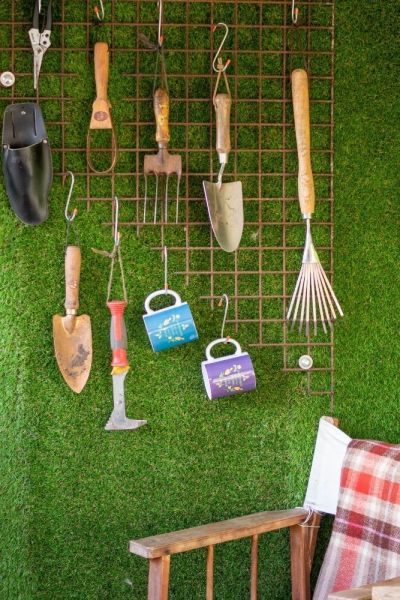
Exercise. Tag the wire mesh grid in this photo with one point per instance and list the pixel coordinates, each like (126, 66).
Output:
(260, 276)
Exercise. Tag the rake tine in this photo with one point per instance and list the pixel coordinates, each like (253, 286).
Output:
(299, 294)
(332, 293)
(166, 200)
(293, 297)
(303, 298)
(313, 301)
(177, 199)
(326, 291)
(322, 304)
(145, 199)
(309, 269)
(156, 202)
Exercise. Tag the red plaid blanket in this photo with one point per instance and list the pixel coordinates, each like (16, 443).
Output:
(365, 541)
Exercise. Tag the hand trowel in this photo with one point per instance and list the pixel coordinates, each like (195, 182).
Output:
(224, 200)
(72, 333)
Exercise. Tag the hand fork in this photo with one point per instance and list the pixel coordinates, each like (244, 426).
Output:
(162, 163)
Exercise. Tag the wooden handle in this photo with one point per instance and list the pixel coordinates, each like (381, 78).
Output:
(301, 111)
(161, 113)
(222, 104)
(72, 276)
(101, 69)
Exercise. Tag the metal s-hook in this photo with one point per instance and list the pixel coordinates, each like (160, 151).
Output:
(224, 297)
(220, 68)
(160, 22)
(295, 12)
(116, 218)
(99, 12)
(70, 217)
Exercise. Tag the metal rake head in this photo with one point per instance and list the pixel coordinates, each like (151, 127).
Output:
(313, 297)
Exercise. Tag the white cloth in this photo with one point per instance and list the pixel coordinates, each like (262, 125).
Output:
(324, 482)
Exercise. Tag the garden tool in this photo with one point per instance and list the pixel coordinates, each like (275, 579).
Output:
(101, 115)
(224, 200)
(118, 337)
(313, 296)
(162, 163)
(40, 40)
(27, 163)
(72, 334)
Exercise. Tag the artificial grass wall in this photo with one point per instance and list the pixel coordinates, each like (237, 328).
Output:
(72, 495)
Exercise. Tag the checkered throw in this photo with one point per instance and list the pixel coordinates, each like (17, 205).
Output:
(365, 541)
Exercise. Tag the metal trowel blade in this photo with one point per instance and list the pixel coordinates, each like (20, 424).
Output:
(73, 348)
(225, 208)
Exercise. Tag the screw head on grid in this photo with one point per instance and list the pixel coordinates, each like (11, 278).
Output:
(305, 362)
(7, 79)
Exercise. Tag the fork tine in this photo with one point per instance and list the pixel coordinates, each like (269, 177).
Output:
(145, 199)
(166, 200)
(156, 202)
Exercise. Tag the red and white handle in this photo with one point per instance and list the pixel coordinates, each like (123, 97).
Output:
(118, 337)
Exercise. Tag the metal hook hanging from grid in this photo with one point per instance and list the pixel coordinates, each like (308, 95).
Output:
(226, 299)
(218, 66)
(295, 12)
(70, 216)
(99, 12)
(165, 259)
(116, 252)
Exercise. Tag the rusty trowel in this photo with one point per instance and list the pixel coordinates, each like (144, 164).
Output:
(224, 200)
(72, 333)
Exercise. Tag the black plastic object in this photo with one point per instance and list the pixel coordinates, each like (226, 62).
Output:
(27, 164)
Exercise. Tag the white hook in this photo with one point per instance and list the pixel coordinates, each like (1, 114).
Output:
(116, 218)
(295, 12)
(220, 68)
(224, 297)
(72, 216)
(99, 13)
(160, 23)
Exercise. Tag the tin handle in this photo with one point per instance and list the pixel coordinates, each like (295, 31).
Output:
(153, 295)
(222, 341)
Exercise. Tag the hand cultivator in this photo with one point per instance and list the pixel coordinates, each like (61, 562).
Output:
(162, 163)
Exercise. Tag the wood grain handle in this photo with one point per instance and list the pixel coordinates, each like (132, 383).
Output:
(301, 111)
(101, 69)
(222, 104)
(72, 276)
(161, 113)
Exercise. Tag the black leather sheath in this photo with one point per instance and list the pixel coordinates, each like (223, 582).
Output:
(27, 164)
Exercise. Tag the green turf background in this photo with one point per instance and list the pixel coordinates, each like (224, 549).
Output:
(72, 496)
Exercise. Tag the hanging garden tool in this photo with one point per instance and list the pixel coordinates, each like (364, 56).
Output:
(313, 296)
(40, 40)
(162, 163)
(118, 337)
(227, 375)
(101, 110)
(224, 200)
(72, 334)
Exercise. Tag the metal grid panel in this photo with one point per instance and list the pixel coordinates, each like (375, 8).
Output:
(260, 276)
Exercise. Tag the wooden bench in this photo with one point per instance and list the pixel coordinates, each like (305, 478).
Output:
(384, 590)
(158, 549)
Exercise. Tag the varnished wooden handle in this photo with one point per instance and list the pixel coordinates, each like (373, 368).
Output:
(301, 111)
(72, 276)
(161, 113)
(222, 104)
(101, 69)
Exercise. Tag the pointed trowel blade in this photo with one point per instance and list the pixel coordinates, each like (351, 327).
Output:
(225, 208)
